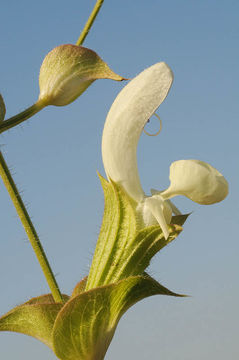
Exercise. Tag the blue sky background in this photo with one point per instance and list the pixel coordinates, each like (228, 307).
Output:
(54, 157)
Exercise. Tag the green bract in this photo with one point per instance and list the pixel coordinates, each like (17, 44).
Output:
(35, 318)
(85, 326)
(67, 71)
(81, 328)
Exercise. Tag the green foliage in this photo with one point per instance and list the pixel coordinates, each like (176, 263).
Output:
(81, 328)
(36, 318)
(86, 324)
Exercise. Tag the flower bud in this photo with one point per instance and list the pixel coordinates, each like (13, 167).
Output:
(67, 71)
(196, 180)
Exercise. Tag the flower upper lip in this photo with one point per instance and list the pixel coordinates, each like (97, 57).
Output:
(129, 113)
(125, 121)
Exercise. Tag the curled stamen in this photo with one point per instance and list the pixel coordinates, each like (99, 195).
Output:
(147, 133)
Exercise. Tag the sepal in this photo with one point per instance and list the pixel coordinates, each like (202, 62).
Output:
(125, 246)
(179, 219)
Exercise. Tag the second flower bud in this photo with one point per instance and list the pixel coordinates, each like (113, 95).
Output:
(67, 71)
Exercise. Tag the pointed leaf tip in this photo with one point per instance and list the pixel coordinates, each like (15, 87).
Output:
(67, 71)
(179, 219)
(86, 324)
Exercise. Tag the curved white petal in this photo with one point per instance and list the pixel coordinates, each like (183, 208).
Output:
(196, 180)
(126, 119)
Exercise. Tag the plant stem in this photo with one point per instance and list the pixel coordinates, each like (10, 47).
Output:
(22, 116)
(11, 186)
(89, 22)
(29, 228)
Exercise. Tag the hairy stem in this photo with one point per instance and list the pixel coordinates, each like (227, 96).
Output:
(89, 22)
(29, 228)
(22, 116)
(11, 186)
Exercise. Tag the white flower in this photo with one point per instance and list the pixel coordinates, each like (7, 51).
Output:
(197, 180)
(129, 113)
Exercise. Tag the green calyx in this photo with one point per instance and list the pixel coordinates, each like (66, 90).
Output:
(67, 71)
(124, 246)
